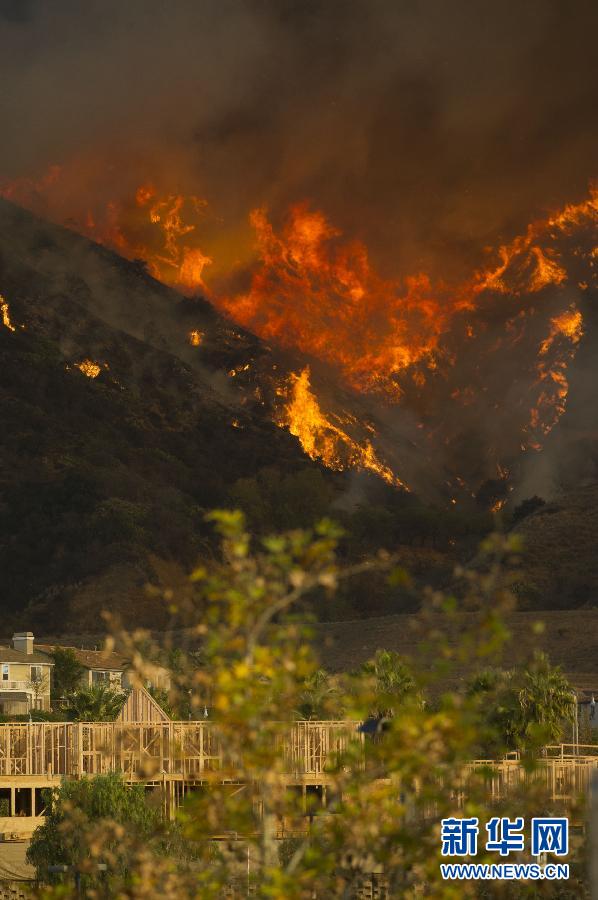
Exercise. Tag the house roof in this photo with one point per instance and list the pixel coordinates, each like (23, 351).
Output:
(91, 659)
(9, 654)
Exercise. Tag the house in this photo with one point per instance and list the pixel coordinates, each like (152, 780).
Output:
(99, 667)
(105, 667)
(25, 675)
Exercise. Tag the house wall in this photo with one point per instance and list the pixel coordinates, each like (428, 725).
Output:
(21, 673)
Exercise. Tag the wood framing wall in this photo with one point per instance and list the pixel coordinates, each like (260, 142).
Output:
(173, 755)
(141, 750)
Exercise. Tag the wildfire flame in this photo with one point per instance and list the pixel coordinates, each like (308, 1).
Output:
(155, 227)
(323, 439)
(196, 338)
(316, 293)
(184, 264)
(567, 330)
(89, 368)
(4, 309)
(313, 292)
(311, 289)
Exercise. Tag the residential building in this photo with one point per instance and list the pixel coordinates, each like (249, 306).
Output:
(105, 667)
(25, 676)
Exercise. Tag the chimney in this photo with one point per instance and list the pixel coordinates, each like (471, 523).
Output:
(23, 641)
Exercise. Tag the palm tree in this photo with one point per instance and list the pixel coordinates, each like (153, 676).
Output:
(546, 699)
(391, 681)
(320, 697)
(499, 708)
(520, 706)
(99, 703)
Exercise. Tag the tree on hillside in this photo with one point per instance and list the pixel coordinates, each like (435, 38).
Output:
(66, 674)
(99, 703)
(527, 507)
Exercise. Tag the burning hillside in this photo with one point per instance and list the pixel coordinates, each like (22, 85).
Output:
(447, 353)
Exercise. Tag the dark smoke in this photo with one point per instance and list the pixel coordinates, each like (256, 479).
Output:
(430, 129)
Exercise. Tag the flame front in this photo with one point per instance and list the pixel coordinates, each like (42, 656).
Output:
(323, 439)
(316, 293)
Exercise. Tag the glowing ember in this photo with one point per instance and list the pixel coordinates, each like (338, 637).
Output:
(196, 338)
(6, 314)
(323, 439)
(89, 368)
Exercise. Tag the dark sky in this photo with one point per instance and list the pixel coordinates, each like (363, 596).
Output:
(431, 129)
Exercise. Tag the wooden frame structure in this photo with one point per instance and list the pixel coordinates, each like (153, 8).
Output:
(173, 756)
(177, 757)
(143, 749)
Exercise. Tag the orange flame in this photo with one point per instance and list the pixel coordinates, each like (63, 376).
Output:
(324, 439)
(566, 330)
(4, 309)
(89, 368)
(315, 291)
(196, 338)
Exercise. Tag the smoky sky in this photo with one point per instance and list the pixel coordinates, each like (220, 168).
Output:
(429, 129)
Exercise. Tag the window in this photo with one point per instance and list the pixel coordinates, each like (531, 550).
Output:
(36, 673)
(109, 678)
(5, 672)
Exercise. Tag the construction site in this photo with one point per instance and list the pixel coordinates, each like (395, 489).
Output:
(176, 757)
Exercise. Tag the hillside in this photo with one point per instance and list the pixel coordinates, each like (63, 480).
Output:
(104, 481)
(129, 411)
(560, 565)
(567, 636)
